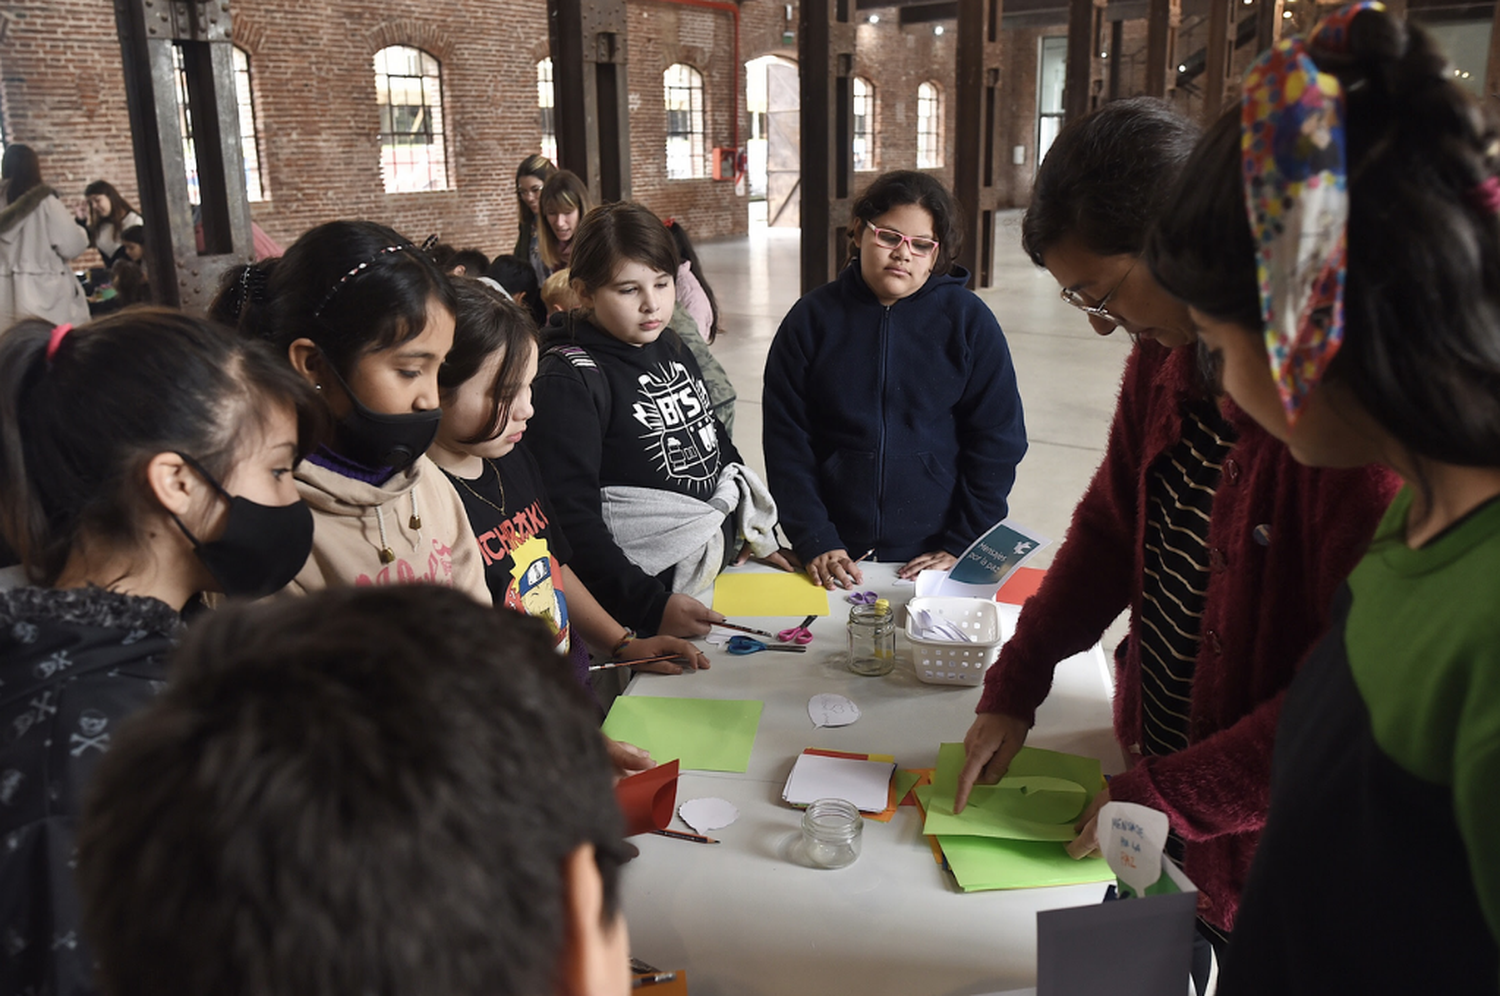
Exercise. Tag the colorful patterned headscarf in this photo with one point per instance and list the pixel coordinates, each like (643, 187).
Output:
(1292, 149)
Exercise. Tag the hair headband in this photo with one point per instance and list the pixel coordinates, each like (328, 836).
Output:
(356, 271)
(59, 332)
(1295, 167)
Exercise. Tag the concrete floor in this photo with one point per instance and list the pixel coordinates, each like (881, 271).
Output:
(1068, 375)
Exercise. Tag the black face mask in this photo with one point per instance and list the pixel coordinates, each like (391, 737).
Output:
(375, 440)
(262, 547)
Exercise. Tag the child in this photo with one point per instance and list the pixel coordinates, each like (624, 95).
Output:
(693, 291)
(564, 201)
(367, 318)
(385, 790)
(1368, 334)
(147, 457)
(892, 420)
(515, 274)
(627, 443)
(467, 263)
(486, 385)
(558, 294)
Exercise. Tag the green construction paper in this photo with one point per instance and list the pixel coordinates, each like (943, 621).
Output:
(980, 863)
(701, 734)
(1028, 804)
(904, 781)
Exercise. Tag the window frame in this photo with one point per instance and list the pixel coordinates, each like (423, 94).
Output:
(685, 146)
(929, 139)
(244, 94)
(546, 103)
(430, 122)
(867, 133)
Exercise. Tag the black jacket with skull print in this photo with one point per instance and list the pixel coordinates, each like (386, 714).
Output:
(73, 665)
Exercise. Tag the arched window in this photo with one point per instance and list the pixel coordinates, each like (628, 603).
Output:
(409, 92)
(684, 99)
(545, 107)
(249, 131)
(864, 124)
(929, 126)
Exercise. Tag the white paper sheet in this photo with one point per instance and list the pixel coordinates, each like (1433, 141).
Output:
(867, 784)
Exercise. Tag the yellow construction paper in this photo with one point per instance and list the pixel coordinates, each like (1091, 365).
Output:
(763, 594)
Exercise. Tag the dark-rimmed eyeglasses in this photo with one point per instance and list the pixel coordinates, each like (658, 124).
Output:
(1100, 310)
(889, 238)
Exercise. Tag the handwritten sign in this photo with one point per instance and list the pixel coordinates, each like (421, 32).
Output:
(1131, 838)
(831, 710)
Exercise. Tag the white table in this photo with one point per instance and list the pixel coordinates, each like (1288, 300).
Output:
(743, 918)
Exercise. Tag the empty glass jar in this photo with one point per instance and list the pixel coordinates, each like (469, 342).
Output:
(831, 831)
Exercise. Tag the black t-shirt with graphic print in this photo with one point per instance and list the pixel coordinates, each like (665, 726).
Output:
(520, 540)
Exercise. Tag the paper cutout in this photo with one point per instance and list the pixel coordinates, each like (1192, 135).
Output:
(704, 734)
(865, 783)
(1021, 585)
(1005, 810)
(987, 564)
(908, 779)
(647, 798)
(708, 814)
(769, 594)
(831, 710)
(983, 863)
(717, 639)
(1132, 837)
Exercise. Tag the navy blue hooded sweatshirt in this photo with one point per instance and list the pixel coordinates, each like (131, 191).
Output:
(897, 428)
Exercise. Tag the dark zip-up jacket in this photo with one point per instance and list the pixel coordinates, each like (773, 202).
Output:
(895, 428)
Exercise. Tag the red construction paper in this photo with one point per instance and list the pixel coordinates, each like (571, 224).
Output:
(648, 799)
(1021, 585)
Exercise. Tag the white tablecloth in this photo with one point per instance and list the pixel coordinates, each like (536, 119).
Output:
(743, 918)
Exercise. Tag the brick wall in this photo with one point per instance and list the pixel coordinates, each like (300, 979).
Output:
(61, 90)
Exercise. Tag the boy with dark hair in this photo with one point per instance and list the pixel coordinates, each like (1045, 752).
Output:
(519, 280)
(370, 790)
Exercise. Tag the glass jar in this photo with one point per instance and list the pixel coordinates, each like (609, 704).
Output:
(872, 638)
(831, 830)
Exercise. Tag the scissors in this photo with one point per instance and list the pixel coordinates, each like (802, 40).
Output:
(741, 645)
(861, 597)
(798, 633)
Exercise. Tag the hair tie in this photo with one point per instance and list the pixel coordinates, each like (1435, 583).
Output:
(1485, 195)
(55, 340)
(354, 272)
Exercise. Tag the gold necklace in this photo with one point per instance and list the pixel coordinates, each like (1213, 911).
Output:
(498, 483)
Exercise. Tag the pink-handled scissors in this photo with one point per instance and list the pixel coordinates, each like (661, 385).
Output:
(798, 633)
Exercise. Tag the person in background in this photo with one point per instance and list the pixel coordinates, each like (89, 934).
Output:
(564, 201)
(376, 790)
(108, 216)
(144, 459)
(693, 291)
(516, 275)
(1345, 282)
(558, 293)
(467, 263)
(1224, 549)
(38, 238)
(892, 418)
(533, 172)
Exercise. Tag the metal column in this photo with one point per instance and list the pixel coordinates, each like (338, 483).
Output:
(825, 50)
(1268, 24)
(1220, 55)
(149, 31)
(1162, 20)
(587, 40)
(1085, 20)
(977, 86)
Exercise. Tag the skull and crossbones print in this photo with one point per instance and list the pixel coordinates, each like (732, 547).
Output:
(91, 725)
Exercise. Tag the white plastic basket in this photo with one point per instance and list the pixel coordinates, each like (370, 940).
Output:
(944, 662)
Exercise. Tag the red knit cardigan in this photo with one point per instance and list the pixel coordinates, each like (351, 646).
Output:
(1267, 603)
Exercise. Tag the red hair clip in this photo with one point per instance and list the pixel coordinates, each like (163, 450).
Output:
(1485, 195)
(55, 340)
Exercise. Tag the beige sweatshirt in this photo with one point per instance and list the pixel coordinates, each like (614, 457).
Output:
(416, 514)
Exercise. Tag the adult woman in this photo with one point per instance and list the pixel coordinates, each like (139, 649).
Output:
(147, 457)
(533, 172)
(1368, 333)
(108, 217)
(37, 239)
(1225, 550)
(563, 202)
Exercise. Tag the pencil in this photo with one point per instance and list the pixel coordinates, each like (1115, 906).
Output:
(644, 660)
(867, 554)
(679, 835)
(745, 629)
(653, 979)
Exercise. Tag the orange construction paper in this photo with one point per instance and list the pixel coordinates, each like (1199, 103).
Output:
(648, 798)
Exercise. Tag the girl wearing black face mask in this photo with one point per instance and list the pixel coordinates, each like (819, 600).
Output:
(144, 458)
(367, 319)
